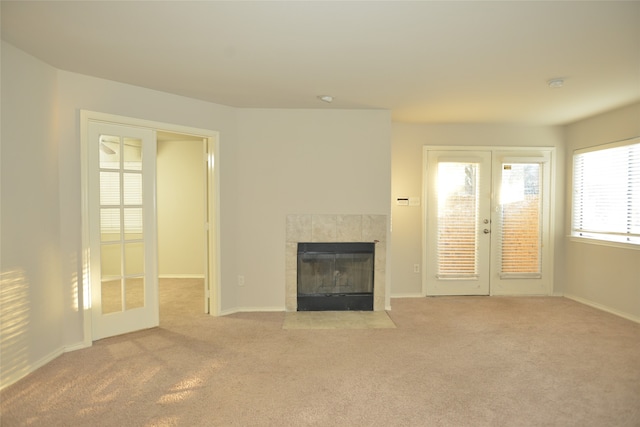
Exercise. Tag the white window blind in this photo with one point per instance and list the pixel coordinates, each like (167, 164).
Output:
(120, 186)
(457, 220)
(520, 217)
(606, 192)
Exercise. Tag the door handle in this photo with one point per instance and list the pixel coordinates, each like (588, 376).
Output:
(486, 231)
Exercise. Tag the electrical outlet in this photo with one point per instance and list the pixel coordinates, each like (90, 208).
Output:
(240, 280)
(416, 268)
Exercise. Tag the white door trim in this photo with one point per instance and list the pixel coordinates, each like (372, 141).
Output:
(213, 179)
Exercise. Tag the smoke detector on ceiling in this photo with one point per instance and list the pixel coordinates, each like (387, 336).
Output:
(326, 98)
(556, 83)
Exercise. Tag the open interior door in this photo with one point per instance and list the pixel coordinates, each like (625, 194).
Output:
(122, 228)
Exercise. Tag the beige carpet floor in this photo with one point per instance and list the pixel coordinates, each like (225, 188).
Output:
(452, 361)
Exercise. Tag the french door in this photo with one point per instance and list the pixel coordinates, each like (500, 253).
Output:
(122, 228)
(487, 222)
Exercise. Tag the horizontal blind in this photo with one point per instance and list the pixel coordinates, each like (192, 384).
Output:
(606, 193)
(520, 216)
(120, 186)
(457, 220)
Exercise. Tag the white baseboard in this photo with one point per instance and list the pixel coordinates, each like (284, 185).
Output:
(26, 370)
(602, 307)
(181, 276)
(78, 346)
(251, 309)
(410, 295)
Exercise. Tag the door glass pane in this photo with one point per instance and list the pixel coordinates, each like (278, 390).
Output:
(109, 224)
(132, 154)
(457, 193)
(109, 152)
(111, 294)
(132, 223)
(134, 258)
(520, 216)
(110, 260)
(134, 293)
(132, 188)
(109, 188)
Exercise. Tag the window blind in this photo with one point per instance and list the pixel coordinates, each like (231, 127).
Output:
(606, 192)
(457, 220)
(120, 187)
(520, 216)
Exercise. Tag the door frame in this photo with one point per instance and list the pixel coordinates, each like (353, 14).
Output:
(549, 215)
(212, 240)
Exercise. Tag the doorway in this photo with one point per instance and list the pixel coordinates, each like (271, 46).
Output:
(181, 212)
(487, 221)
(120, 249)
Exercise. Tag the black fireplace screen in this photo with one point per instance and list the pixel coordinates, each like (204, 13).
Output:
(335, 276)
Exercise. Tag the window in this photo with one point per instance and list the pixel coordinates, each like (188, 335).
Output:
(606, 192)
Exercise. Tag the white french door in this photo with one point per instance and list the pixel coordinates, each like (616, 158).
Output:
(487, 222)
(122, 228)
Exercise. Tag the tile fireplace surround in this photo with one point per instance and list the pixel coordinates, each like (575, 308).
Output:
(331, 229)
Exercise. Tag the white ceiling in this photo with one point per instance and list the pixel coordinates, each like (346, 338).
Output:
(425, 61)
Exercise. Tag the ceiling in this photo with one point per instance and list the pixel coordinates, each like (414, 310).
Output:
(425, 61)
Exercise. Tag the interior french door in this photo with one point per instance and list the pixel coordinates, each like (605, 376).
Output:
(122, 229)
(487, 221)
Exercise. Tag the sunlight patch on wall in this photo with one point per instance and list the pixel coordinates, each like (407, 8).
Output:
(14, 324)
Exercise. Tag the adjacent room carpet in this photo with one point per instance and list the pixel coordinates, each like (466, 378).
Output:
(449, 361)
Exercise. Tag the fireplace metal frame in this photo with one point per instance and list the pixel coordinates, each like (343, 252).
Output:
(335, 301)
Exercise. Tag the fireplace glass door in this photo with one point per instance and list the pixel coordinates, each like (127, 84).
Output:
(335, 276)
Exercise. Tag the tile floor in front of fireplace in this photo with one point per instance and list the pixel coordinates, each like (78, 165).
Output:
(337, 320)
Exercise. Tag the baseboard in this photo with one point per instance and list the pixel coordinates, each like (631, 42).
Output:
(251, 309)
(26, 370)
(181, 276)
(410, 295)
(78, 346)
(602, 307)
(20, 374)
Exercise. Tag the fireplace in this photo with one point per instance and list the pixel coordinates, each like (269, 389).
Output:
(335, 276)
(336, 228)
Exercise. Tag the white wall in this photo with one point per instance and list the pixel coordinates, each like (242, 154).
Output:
(604, 276)
(180, 208)
(302, 162)
(264, 156)
(33, 293)
(406, 176)
(83, 92)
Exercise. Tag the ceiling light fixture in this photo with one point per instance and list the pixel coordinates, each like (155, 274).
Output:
(555, 83)
(326, 98)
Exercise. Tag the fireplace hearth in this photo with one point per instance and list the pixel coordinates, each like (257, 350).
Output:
(335, 276)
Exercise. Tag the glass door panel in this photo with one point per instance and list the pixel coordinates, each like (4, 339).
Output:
(457, 193)
(134, 293)
(521, 232)
(520, 220)
(458, 211)
(122, 199)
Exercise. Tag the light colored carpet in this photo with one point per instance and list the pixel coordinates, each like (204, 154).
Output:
(337, 320)
(452, 361)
